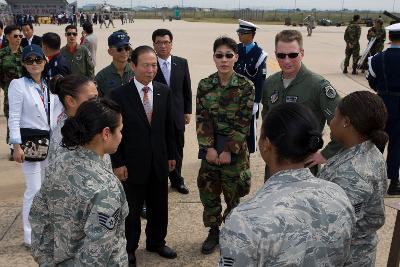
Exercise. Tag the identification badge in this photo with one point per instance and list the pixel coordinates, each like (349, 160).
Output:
(291, 99)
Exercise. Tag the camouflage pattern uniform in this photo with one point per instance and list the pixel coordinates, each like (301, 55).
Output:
(295, 219)
(352, 37)
(78, 216)
(225, 111)
(10, 69)
(55, 148)
(361, 172)
(380, 35)
(80, 61)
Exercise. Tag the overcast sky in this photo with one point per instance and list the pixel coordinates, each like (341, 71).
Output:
(262, 4)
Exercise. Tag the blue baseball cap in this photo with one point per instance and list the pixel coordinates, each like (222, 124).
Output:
(32, 50)
(118, 39)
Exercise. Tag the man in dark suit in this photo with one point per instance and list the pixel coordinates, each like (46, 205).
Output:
(174, 72)
(146, 154)
(27, 30)
(57, 63)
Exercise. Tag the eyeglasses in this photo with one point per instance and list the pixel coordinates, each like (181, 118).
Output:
(283, 55)
(126, 48)
(72, 33)
(163, 43)
(227, 55)
(18, 36)
(30, 61)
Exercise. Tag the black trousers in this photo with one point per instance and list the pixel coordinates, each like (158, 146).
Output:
(175, 176)
(155, 193)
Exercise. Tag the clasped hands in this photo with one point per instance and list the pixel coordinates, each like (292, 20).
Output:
(213, 157)
(122, 172)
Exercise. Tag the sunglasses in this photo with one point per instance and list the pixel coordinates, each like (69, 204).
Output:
(243, 33)
(18, 36)
(30, 61)
(283, 55)
(126, 48)
(72, 33)
(227, 55)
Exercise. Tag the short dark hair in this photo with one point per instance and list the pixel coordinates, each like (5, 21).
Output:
(52, 40)
(356, 17)
(1, 25)
(227, 41)
(88, 27)
(90, 119)
(27, 24)
(10, 28)
(293, 130)
(143, 49)
(368, 115)
(69, 85)
(161, 32)
(71, 27)
(288, 36)
(394, 36)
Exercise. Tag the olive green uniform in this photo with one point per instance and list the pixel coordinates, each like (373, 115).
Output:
(80, 61)
(310, 89)
(224, 110)
(108, 78)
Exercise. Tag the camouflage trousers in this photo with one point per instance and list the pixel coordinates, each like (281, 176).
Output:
(5, 110)
(232, 180)
(355, 52)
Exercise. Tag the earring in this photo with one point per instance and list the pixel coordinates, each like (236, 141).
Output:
(344, 126)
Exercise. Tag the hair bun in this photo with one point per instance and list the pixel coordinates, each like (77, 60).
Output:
(315, 143)
(54, 84)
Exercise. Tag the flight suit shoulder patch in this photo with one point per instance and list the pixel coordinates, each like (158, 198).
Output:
(330, 92)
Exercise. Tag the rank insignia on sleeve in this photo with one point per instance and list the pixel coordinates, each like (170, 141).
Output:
(330, 92)
(226, 262)
(107, 221)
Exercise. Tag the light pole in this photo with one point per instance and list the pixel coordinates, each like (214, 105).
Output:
(341, 13)
(239, 5)
(394, 3)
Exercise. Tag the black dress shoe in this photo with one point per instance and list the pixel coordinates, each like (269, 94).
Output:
(181, 188)
(394, 188)
(132, 259)
(164, 251)
(143, 213)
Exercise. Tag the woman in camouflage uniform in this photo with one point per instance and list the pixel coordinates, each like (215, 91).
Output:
(72, 90)
(360, 169)
(224, 106)
(78, 216)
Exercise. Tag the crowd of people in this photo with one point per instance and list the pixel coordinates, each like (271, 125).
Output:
(96, 150)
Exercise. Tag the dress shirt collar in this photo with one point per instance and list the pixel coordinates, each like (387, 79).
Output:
(140, 86)
(30, 40)
(161, 61)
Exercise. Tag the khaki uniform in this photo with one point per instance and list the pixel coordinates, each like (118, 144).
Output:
(108, 78)
(78, 216)
(81, 61)
(361, 172)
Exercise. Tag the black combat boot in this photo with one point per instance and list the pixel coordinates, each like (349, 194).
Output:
(345, 70)
(354, 72)
(394, 187)
(211, 241)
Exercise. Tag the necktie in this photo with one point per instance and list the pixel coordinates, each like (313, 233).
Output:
(165, 71)
(147, 104)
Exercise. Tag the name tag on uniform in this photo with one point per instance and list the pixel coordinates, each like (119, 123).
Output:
(291, 99)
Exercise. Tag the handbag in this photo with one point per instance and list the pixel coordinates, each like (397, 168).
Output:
(35, 142)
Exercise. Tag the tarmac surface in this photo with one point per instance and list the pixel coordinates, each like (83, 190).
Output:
(324, 52)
